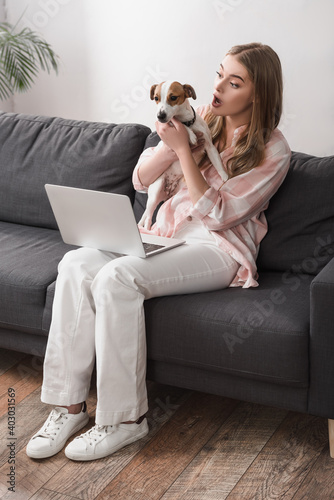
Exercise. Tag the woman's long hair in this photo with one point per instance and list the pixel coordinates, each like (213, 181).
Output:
(264, 69)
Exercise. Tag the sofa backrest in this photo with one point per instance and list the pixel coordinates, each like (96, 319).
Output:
(35, 150)
(300, 216)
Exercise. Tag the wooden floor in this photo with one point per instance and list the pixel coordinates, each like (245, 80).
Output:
(200, 447)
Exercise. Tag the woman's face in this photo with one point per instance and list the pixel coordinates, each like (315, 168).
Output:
(233, 91)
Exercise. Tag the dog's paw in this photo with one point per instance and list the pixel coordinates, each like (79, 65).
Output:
(145, 222)
(192, 137)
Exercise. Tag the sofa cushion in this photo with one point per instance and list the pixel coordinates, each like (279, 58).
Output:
(36, 150)
(301, 218)
(29, 258)
(259, 334)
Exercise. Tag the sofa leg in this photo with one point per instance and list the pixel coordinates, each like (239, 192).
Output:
(331, 437)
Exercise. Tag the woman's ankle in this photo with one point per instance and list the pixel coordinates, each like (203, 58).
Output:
(138, 421)
(76, 408)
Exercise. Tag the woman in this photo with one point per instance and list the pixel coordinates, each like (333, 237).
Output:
(98, 305)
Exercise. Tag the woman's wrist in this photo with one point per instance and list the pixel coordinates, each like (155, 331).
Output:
(184, 152)
(194, 179)
(167, 154)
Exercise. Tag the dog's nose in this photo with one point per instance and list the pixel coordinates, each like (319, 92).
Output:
(162, 116)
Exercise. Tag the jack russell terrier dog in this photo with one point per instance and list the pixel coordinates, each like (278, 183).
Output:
(172, 100)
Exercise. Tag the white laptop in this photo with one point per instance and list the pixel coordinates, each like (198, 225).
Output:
(102, 220)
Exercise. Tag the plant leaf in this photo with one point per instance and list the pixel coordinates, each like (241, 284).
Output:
(22, 54)
(5, 86)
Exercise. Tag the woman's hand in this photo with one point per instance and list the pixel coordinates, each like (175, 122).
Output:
(175, 136)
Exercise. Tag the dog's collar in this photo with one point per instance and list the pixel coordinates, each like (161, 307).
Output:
(190, 122)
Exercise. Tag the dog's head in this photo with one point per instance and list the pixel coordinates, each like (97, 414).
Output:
(170, 98)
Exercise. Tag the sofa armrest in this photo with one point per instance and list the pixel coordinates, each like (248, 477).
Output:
(321, 395)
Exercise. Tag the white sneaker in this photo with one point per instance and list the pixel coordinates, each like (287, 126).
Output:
(58, 427)
(103, 440)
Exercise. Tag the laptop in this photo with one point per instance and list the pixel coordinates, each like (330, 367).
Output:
(102, 220)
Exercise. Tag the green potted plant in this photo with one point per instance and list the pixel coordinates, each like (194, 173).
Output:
(22, 54)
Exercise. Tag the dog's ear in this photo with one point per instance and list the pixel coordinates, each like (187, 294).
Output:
(152, 91)
(189, 91)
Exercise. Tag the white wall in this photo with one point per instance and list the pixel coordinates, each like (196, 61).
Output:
(112, 51)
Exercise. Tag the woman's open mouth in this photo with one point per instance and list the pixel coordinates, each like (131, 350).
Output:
(216, 102)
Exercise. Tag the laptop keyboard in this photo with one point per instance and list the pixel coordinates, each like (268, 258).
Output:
(150, 247)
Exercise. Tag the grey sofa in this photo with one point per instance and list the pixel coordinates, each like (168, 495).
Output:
(272, 345)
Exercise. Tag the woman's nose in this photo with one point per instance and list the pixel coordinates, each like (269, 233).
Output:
(219, 86)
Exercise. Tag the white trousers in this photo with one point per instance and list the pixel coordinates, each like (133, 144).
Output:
(98, 314)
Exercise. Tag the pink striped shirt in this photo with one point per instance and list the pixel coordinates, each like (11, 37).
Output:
(234, 212)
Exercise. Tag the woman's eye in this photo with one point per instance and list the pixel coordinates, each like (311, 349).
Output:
(219, 75)
(234, 85)
(173, 97)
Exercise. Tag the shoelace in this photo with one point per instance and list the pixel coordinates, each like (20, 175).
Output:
(52, 424)
(96, 432)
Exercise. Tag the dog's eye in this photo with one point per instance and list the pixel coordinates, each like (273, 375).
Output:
(173, 97)
(156, 98)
